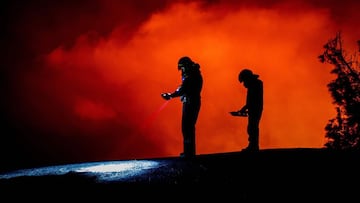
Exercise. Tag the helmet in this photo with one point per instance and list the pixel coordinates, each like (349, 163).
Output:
(245, 74)
(184, 61)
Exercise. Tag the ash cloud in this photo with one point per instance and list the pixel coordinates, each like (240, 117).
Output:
(82, 80)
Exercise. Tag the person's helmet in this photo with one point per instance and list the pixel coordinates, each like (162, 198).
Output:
(184, 61)
(245, 74)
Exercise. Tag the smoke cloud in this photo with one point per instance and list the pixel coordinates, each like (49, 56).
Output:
(83, 80)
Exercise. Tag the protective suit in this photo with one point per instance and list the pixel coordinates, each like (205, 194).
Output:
(189, 92)
(253, 107)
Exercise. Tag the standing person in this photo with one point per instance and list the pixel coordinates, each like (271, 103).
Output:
(190, 95)
(253, 107)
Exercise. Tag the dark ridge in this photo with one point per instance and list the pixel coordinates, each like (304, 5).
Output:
(270, 174)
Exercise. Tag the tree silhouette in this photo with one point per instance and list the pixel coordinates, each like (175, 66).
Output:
(343, 131)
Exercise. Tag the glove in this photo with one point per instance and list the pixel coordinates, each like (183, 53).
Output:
(166, 96)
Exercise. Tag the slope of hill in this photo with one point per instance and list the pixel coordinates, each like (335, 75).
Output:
(270, 174)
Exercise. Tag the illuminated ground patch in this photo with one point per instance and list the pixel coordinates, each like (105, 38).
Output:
(103, 171)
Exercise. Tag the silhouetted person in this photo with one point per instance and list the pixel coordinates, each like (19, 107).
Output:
(190, 95)
(253, 107)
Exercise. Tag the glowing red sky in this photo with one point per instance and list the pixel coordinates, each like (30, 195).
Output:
(97, 72)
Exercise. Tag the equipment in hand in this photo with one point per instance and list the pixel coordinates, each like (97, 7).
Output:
(238, 113)
(166, 96)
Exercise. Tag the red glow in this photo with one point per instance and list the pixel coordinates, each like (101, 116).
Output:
(116, 80)
(90, 110)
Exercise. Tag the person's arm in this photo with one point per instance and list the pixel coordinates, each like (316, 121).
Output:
(243, 109)
(178, 92)
(241, 112)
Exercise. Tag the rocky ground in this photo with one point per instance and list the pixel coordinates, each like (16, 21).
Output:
(270, 175)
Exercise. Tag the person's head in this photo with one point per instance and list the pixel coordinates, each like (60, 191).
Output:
(188, 66)
(185, 63)
(246, 75)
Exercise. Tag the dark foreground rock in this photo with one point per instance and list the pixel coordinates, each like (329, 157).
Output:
(268, 175)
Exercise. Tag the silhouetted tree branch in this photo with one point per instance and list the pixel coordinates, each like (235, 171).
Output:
(343, 132)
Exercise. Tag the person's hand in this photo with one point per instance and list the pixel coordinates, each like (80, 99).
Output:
(166, 96)
(234, 113)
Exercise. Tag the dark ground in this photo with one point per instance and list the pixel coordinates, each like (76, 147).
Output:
(269, 175)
